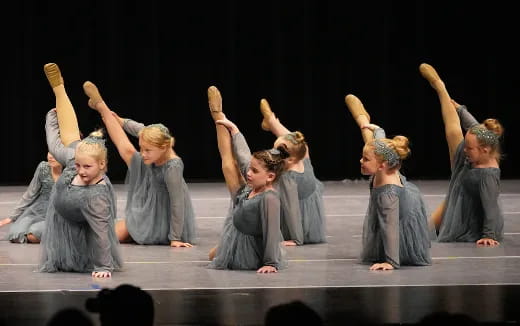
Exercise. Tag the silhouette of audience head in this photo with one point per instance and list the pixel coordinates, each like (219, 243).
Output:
(70, 316)
(124, 305)
(292, 313)
(446, 318)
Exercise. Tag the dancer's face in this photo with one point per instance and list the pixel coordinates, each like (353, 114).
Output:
(52, 161)
(369, 161)
(89, 168)
(151, 153)
(473, 150)
(257, 174)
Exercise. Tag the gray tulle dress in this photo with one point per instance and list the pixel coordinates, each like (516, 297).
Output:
(158, 207)
(79, 234)
(251, 236)
(396, 228)
(472, 208)
(303, 213)
(28, 216)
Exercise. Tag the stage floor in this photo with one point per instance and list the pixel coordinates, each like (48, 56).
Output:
(480, 282)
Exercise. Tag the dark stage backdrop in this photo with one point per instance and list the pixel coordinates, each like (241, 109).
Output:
(154, 60)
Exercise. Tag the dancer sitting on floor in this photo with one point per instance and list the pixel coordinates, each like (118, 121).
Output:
(158, 207)
(395, 230)
(28, 217)
(471, 211)
(301, 193)
(79, 234)
(251, 236)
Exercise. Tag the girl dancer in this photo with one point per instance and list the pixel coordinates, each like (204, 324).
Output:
(251, 237)
(29, 215)
(301, 193)
(79, 234)
(395, 230)
(158, 207)
(471, 210)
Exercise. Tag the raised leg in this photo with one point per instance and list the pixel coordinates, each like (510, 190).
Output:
(360, 115)
(230, 169)
(270, 122)
(67, 121)
(452, 128)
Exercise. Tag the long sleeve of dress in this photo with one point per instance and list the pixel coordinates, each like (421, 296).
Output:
(291, 215)
(30, 195)
(132, 127)
(173, 178)
(97, 212)
(271, 230)
(388, 218)
(493, 220)
(379, 133)
(242, 152)
(466, 119)
(61, 153)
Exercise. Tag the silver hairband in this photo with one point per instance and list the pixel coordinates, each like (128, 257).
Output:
(485, 135)
(161, 127)
(387, 153)
(92, 140)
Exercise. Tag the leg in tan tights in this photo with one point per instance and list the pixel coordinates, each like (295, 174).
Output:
(360, 115)
(452, 128)
(270, 122)
(67, 121)
(232, 174)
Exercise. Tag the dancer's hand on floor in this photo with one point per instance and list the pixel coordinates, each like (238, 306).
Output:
(381, 266)
(487, 242)
(178, 244)
(101, 274)
(267, 269)
(5, 221)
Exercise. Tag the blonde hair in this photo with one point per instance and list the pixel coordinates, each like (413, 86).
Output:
(497, 130)
(399, 144)
(297, 144)
(157, 135)
(94, 146)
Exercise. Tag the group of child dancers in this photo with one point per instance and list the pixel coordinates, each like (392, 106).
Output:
(276, 200)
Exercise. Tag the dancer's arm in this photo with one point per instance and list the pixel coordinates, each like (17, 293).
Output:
(61, 153)
(132, 127)
(241, 150)
(174, 184)
(493, 220)
(31, 193)
(98, 212)
(388, 217)
(271, 233)
(288, 190)
(466, 119)
(118, 136)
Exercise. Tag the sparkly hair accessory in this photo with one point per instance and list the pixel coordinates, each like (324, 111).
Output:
(387, 153)
(93, 140)
(485, 135)
(161, 127)
(291, 137)
(274, 151)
